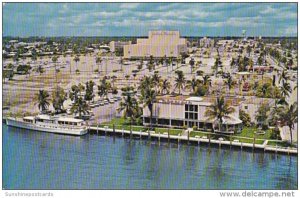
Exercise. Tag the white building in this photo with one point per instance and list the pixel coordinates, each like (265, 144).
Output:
(118, 45)
(179, 111)
(159, 44)
(206, 42)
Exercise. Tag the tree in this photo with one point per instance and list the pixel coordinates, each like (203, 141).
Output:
(245, 117)
(192, 84)
(148, 97)
(219, 110)
(43, 100)
(283, 76)
(179, 81)
(248, 49)
(58, 98)
(262, 114)
(40, 69)
(74, 93)
(98, 61)
(103, 88)
(129, 106)
(89, 91)
(288, 117)
(192, 63)
(165, 86)
(76, 59)
(156, 80)
(206, 80)
(229, 82)
(285, 89)
(80, 106)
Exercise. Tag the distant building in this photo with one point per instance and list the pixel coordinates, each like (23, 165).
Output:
(159, 44)
(118, 45)
(206, 42)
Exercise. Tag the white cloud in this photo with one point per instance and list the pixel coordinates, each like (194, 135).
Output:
(268, 10)
(129, 5)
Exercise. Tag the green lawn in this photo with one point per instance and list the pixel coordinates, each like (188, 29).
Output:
(245, 136)
(165, 130)
(249, 132)
(281, 143)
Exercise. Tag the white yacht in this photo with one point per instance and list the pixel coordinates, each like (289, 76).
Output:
(50, 124)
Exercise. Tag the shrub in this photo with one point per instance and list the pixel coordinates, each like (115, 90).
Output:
(96, 70)
(195, 128)
(77, 71)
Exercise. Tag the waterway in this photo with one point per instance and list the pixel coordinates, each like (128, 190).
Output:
(35, 160)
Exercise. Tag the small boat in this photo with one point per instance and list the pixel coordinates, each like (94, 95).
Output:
(50, 124)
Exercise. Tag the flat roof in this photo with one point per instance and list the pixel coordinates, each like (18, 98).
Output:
(194, 98)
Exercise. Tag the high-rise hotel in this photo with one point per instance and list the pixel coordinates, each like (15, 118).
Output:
(159, 44)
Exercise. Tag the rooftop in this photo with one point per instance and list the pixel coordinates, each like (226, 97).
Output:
(204, 100)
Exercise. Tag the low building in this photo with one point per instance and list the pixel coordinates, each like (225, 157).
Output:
(159, 44)
(118, 45)
(206, 42)
(251, 105)
(180, 111)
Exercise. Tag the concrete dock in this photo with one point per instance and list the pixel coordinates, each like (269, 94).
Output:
(191, 140)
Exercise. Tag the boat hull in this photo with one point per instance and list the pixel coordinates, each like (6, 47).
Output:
(48, 129)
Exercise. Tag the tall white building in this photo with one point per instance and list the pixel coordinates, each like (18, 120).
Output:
(159, 44)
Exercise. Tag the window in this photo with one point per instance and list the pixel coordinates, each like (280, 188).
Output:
(196, 108)
(186, 107)
(186, 115)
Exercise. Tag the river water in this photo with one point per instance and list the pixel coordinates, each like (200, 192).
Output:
(35, 160)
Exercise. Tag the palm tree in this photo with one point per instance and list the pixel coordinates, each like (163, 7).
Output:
(285, 89)
(40, 69)
(103, 88)
(76, 59)
(74, 93)
(192, 63)
(192, 84)
(219, 110)
(248, 49)
(80, 106)
(129, 106)
(283, 76)
(58, 98)
(288, 117)
(229, 82)
(43, 100)
(148, 97)
(98, 61)
(165, 86)
(179, 81)
(206, 80)
(156, 80)
(146, 82)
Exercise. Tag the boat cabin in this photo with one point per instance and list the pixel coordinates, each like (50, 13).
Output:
(28, 119)
(70, 121)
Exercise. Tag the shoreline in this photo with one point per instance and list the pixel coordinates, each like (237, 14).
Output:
(189, 140)
(192, 140)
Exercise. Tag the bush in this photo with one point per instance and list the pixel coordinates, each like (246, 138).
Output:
(245, 117)
(265, 127)
(275, 134)
(96, 70)
(195, 128)
(77, 71)
(201, 90)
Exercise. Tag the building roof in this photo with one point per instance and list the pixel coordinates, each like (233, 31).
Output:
(206, 100)
(193, 98)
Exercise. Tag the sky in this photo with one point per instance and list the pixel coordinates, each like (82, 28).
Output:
(136, 19)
